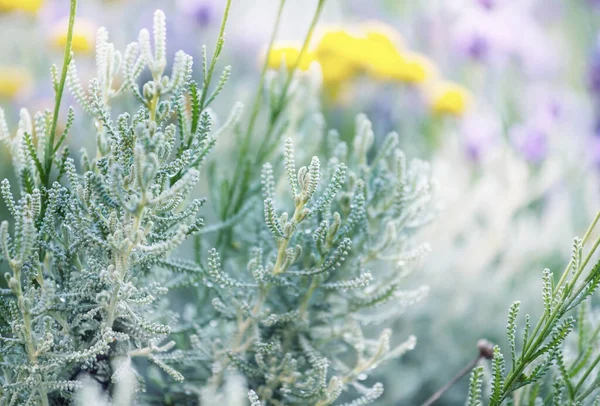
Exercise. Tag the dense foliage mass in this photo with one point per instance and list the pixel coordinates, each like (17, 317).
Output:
(295, 280)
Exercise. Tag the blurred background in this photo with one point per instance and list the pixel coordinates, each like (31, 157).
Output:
(502, 96)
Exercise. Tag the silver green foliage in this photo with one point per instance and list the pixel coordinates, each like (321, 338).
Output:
(291, 307)
(557, 359)
(303, 316)
(80, 251)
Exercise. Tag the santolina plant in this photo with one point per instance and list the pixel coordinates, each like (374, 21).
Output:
(291, 291)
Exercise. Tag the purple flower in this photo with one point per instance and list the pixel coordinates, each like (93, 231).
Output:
(594, 4)
(594, 150)
(531, 140)
(486, 4)
(546, 110)
(472, 36)
(594, 70)
(202, 12)
(480, 132)
(497, 31)
(477, 47)
(527, 40)
(593, 146)
(481, 35)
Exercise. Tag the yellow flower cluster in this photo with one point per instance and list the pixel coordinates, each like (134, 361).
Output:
(287, 54)
(13, 80)
(29, 6)
(376, 50)
(84, 33)
(447, 98)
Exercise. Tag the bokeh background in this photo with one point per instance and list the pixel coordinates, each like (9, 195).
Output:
(502, 96)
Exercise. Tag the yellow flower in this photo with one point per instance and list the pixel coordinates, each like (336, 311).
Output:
(383, 63)
(335, 71)
(340, 44)
(13, 80)
(384, 59)
(84, 33)
(449, 98)
(382, 35)
(341, 56)
(30, 6)
(372, 47)
(415, 68)
(288, 55)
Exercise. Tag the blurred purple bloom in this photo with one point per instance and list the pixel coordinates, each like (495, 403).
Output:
(486, 4)
(480, 132)
(531, 140)
(594, 70)
(593, 146)
(477, 35)
(496, 31)
(477, 47)
(202, 12)
(594, 3)
(529, 42)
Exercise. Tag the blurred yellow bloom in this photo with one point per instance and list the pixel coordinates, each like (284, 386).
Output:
(384, 65)
(13, 79)
(371, 47)
(376, 51)
(449, 98)
(84, 33)
(408, 67)
(30, 6)
(382, 35)
(341, 45)
(288, 55)
(335, 71)
(416, 68)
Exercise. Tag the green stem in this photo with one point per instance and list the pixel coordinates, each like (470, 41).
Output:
(49, 155)
(586, 237)
(546, 322)
(311, 30)
(583, 357)
(304, 305)
(216, 53)
(280, 105)
(124, 263)
(32, 354)
(283, 245)
(233, 200)
(206, 80)
(566, 273)
(593, 387)
(237, 173)
(265, 67)
(588, 257)
(587, 373)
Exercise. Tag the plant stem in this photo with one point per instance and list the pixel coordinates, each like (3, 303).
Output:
(253, 116)
(261, 82)
(565, 275)
(586, 236)
(311, 30)
(124, 263)
(30, 347)
(49, 155)
(587, 373)
(234, 201)
(280, 105)
(216, 53)
(437, 395)
(546, 322)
